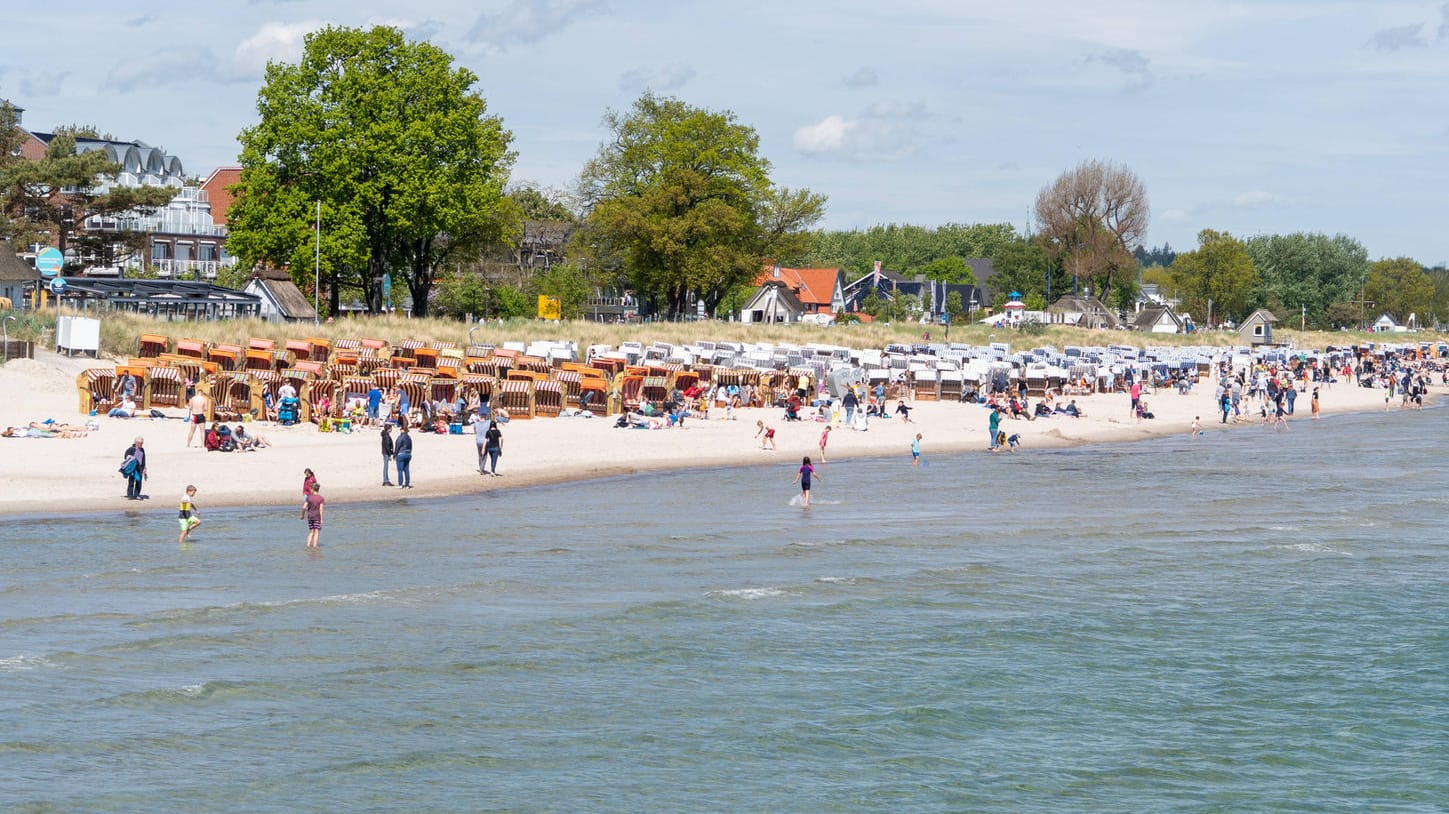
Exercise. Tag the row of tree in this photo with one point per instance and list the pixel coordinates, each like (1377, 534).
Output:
(1327, 281)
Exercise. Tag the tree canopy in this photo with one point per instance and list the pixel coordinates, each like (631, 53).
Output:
(1400, 288)
(1307, 271)
(937, 252)
(1091, 218)
(397, 147)
(1217, 279)
(680, 202)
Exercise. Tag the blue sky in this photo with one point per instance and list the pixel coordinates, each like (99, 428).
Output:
(1251, 117)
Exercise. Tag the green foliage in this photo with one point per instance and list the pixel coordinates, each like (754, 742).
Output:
(511, 301)
(873, 304)
(734, 301)
(569, 284)
(460, 294)
(908, 249)
(949, 270)
(1023, 265)
(394, 143)
(540, 204)
(30, 200)
(680, 199)
(1399, 287)
(954, 306)
(1220, 270)
(1306, 270)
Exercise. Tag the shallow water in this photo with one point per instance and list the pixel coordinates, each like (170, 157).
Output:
(1243, 621)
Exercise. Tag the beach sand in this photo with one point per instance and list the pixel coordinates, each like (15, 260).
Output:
(64, 476)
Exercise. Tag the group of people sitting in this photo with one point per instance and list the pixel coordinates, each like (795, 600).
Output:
(221, 438)
(1018, 406)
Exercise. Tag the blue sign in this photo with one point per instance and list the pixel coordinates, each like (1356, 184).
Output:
(57, 286)
(49, 262)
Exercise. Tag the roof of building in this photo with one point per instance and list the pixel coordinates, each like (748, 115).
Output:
(1262, 313)
(13, 269)
(783, 294)
(811, 286)
(1151, 315)
(289, 298)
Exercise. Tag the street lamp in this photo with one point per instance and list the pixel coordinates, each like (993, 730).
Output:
(317, 271)
(973, 308)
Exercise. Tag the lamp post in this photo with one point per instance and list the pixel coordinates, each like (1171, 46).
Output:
(973, 308)
(317, 271)
(5, 327)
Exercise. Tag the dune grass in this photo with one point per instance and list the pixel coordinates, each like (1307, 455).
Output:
(120, 332)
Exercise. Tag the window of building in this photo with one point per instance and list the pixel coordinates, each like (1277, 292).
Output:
(160, 251)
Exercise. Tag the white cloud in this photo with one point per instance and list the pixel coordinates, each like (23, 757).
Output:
(281, 42)
(168, 67)
(1256, 199)
(887, 130)
(669, 77)
(862, 78)
(527, 21)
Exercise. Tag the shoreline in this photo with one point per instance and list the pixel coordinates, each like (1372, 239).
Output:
(75, 477)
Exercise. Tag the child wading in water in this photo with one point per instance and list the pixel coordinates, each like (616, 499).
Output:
(803, 477)
(188, 516)
(916, 450)
(824, 439)
(312, 513)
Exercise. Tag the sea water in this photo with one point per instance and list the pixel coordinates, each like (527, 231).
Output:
(1243, 621)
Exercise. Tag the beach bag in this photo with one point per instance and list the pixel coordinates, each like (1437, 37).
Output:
(128, 467)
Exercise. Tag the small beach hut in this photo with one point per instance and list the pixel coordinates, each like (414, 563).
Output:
(1257, 329)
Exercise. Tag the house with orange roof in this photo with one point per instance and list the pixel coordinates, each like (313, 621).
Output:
(787, 295)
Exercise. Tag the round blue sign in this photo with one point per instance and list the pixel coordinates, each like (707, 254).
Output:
(49, 262)
(57, 286)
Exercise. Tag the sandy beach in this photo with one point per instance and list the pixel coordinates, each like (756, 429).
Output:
(55, 475)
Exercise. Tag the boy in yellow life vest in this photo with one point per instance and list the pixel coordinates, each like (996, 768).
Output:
(188, 516)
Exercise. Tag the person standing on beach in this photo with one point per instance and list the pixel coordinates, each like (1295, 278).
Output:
(188, 517)
(916, 450)
(824, 439)
(492, 446)
(993, 426)
(387, 451)
(803, 478)
(404, 454)
(308, 481)
(312, 513)
(137, 453)
(1315, 404)
(480, 440)
(1136, 393)
(196, 410)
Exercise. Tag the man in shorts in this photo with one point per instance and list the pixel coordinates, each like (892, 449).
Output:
(196, 416)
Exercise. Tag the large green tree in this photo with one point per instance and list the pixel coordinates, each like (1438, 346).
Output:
(1091, 218)
(1217, 279)
(1309, 272)
(1400, 287)
(680, 201)
(397, 146)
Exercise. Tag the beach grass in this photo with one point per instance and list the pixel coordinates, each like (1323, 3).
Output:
(120, 332)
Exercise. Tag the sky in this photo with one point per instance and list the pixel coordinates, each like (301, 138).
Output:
(1252, 117)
